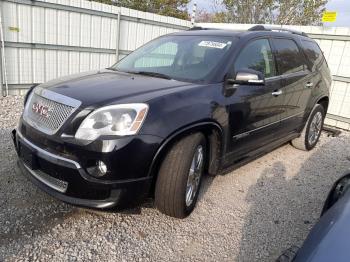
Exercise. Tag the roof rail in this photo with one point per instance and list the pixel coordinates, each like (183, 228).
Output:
(200, 28)
(196, 28)
(275, 28)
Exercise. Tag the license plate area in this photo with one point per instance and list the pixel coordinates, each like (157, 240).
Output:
(28, 156)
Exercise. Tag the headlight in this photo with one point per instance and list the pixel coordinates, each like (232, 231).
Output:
(115, 120)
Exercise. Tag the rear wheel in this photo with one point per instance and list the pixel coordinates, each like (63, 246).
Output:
(180, 176)
(312, 130)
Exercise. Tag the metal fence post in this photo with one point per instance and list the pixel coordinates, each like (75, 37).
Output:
(118, 37)
(1, 71)
(2, 62)
(1, 74)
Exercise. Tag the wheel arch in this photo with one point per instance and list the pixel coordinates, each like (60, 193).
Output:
(324, 101)
(214, 136)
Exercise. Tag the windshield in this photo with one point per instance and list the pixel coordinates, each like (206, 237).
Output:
(185, 58)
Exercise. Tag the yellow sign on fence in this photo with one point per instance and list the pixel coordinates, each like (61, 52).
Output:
(13, 29)
(329, 16)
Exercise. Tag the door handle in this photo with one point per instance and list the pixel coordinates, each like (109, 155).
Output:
(277, 93)
(309, 84)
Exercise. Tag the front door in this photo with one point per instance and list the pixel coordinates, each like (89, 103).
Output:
(254, 110)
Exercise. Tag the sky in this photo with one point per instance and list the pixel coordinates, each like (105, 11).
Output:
(342, 7)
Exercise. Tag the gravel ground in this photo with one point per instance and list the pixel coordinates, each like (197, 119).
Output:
(250, 214)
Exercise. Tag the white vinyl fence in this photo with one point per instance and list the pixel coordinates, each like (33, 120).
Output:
(335, 44)
(50, 38)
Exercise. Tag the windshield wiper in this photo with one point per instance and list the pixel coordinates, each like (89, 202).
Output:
(112, 68)
(154, 74)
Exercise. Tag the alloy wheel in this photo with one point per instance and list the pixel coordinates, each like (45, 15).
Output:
(194, 175)
(315, 128)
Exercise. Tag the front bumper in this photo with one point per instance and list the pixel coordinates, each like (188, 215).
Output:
(67, 180)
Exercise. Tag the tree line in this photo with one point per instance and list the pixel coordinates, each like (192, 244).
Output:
(292, 12)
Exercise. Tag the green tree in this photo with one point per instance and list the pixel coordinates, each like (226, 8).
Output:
(293, 12)
(173, 8)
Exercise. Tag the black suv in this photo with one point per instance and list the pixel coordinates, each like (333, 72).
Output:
(183, 105)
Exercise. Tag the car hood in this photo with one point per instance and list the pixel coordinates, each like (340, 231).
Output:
(97, 88)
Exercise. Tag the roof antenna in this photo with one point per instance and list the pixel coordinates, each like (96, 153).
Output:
(193, 16)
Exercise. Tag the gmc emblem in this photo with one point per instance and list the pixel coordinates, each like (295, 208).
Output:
(40, 110)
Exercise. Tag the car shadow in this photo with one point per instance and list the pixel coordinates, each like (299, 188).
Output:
(285, 205)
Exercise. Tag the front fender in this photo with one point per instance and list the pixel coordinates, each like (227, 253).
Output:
(180, 112)
(209, 127)
(176, 110)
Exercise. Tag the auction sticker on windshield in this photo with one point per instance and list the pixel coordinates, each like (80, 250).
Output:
(213, 44)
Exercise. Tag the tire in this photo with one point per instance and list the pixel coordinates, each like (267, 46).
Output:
(312, 130)
(175, 177)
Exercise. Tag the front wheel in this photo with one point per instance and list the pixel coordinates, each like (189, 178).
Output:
(180, 176)
(312, 130)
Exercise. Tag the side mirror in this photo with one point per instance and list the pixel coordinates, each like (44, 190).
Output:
(247, 77)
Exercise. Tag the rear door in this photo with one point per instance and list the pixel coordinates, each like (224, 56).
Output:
(296, 80)
(319, 69)
(254, 110)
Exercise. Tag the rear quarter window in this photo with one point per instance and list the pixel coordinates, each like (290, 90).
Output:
(312, 52)
(288, 56)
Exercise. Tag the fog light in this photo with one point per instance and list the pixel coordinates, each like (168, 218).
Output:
(99, 170)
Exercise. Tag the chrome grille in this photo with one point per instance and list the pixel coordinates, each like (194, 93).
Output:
(59, 109)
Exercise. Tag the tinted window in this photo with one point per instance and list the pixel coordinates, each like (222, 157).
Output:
(313, 52)
(257, 55)
(289, 59)
(185, 58)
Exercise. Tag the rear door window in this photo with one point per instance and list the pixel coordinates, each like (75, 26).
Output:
(288, 56)
(313, 52)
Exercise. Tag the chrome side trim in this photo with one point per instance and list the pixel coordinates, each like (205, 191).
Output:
(49, 156)
(277, 93)
(292, 116)
(272, 78)
(241, 135)
(61, 189)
